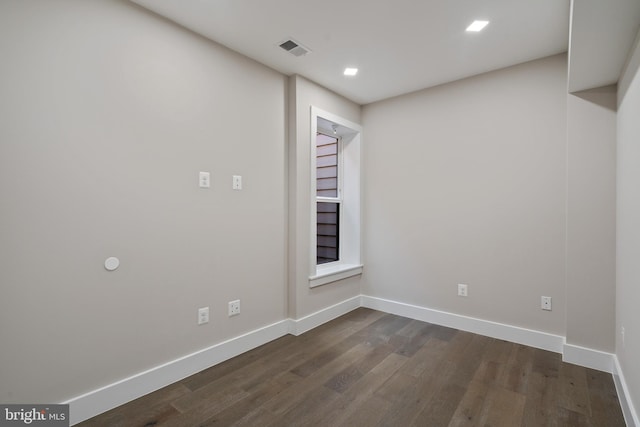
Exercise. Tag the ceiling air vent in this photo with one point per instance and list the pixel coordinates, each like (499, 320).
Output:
(294, 48)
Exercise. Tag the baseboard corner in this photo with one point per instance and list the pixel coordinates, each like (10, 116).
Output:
(587, 357)
(313, 320)
(628, 410)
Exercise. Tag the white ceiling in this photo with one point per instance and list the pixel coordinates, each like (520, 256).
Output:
(401, 46)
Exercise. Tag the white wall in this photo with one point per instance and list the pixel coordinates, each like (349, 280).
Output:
(591, 214)
(302, 95)
(628, 227)
(107, 115)
(465, 183)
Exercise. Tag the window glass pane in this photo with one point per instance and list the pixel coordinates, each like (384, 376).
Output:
(328, 227)
(326, 166)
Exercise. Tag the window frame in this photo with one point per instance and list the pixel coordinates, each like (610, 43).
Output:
(349, 184)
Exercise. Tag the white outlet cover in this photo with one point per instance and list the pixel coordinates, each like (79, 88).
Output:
(462, 290)
(204, 179)
(237, 182)
(234, 308)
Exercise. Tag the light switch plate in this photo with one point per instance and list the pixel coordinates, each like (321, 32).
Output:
(203, 315)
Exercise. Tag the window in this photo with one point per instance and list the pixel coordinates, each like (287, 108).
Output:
(335, 209)
(328, 200)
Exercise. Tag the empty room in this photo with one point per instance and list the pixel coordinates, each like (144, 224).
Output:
(338, 213)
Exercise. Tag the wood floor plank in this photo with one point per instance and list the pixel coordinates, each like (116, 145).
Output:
(204, 395)
(260, 394)
(204, 407)
(292, 355)
(489, 372)
(443, 333)
(318, 361)
(502, 408)
(413, 328)
(540, 407)
(546, 363)
(297, 393)
(421, 401)
(308, 411)
(361, 393)
(518, 369)
(343, 379)
(415, 342)
(498, 351)
(468, 360)
(352, 373)
(398, 388)
(369, 413)
(603, 398)
(426, 358)
(380, 330)
(573, 392)
(409, 398)
(469, 411)
(369, 368)
(567, 417)
(257, 417)
(440, 409)
(605, 411)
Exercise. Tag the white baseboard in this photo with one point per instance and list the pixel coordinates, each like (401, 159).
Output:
(300, 326)
(588, 357)
(105, 398)
(629, 411)
(108, 397)
(487, 328)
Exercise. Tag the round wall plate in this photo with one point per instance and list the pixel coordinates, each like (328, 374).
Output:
(112, 263)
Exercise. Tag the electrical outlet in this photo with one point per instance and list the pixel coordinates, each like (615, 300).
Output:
(204, 180)
(622, 333)
(234, 308)
(462, 290)
(545, 303)
(237, 182)
(203, 315)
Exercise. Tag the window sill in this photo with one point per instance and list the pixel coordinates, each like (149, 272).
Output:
(335, 273)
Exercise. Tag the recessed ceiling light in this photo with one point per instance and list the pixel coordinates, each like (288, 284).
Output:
(350, 71)
(477, 26)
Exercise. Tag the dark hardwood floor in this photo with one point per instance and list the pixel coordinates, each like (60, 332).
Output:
(369, 368)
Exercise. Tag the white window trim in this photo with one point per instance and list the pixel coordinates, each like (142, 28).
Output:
(349, 263)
